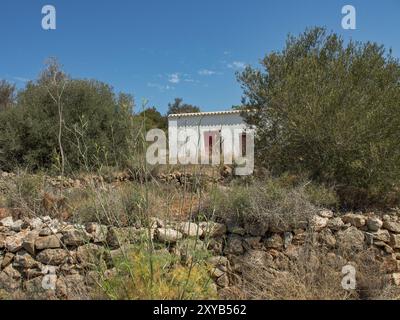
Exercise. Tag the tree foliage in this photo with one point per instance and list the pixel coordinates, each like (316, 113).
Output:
(153, 119)
(329, 109)
(7, 95)
(178, 107)
(96, 125)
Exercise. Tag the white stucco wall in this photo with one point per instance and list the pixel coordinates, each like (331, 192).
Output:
(230, 125)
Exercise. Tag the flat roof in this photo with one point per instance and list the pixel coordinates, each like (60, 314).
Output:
(211, 113)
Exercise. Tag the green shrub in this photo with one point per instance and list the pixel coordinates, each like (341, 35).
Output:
(330, 110)
(267, 201)
(97, 127)
(322, 196)
(142, 276)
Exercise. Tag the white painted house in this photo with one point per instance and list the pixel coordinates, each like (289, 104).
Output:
(208, 137)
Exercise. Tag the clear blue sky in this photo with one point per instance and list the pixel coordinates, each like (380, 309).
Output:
(161, 49)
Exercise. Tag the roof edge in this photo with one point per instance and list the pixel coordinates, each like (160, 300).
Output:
(210, 113)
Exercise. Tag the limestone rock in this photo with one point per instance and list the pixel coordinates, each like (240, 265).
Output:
(318, 223)
(380, 243)
(374, 224)
(299, 237)
(386, 217)
(388, 249)
(14, 243)
(356, 220)
(17, 226)
(325, 213)
(117, 237)
(190, 229)
(10, 279)
(287, 239)
(49, 226)
(35, 223)
(8, 258)
(29, 241)
(24, 260)
(216, 273)
(97, 232)
(396, 278)
(54, 257)
(218, 261)
(391, 226)
(351, 238)
(381, 235)
(213, 229)
(168, 235)
(395, 241)
(335, 224)
(258, 258)
(369, 238)
(33, 273)
(2, 241)
(75, 237)
(90, 254)
(71, 287)
(7, 222)
(49, 242)
(327, 238)
(34, 287)
(156, 223)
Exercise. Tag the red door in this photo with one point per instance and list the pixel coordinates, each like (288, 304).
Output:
(211, 139)
(243, 144)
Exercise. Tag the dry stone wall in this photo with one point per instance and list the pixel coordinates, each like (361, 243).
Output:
(47, 258)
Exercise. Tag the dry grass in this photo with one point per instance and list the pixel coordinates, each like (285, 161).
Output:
(263, 202)
(311, 272)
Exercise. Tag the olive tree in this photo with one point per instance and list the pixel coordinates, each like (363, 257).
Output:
(329, 109)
